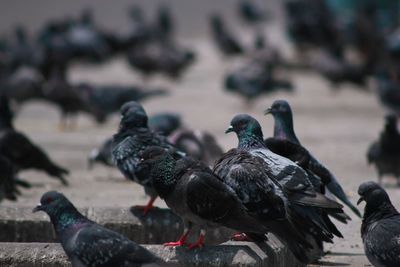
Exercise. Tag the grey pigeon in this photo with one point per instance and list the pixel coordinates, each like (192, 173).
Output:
(134, 136)
(88, 244)
(195, 193)
(385, 152)
(380, 229)
(286, 143)
(252, 170)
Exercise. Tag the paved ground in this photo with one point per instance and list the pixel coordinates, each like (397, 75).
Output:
(336, 126)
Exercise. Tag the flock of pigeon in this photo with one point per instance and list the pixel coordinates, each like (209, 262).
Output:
(273, 185)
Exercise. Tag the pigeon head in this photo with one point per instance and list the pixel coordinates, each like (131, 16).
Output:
(51, 202)
(283, 128)
(372, 193)
(247, 129)
(133, 116)
(378, 204)
(280, 108)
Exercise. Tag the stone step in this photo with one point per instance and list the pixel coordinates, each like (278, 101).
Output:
(159, 226)
(233, 254)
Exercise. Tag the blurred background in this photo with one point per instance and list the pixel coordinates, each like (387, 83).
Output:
(67, 66)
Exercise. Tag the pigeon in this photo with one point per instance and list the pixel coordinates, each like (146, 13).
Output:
(286, 144)
(8, 181)
(225, 41)
(164, 22)
(338, 70)
(254, 79)
(102, 154)
(107, 99)
(197, 144)
(252, 168)
(89, 244)
(20, 151)
(312, 24)
(165, 123)
(250, 12)
(385, 152)
(192, 191)
(134, 136)
(68, 97)
(388, 90)
(160, 56)
(162, 123)
(380, 229)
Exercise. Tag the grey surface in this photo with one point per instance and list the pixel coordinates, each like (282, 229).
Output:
(238, 254)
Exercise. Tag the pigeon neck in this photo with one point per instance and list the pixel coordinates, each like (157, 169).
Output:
(374, 213)
(65, 217)
(162, 175)
(283, 130)
(250, 140)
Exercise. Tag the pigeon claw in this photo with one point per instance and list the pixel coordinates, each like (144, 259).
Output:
(199, 243)
(148, 207)
(178, 243)
(240, 237)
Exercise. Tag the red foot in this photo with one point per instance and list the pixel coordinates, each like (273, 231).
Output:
(240, 237)
(180, 242)
(199, 243)
(148, 207)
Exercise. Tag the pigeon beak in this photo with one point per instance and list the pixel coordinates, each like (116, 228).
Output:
(229, 130)
(39, 207)
(268, 111)
(360, 200)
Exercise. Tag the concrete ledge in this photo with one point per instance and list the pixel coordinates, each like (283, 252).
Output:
(159, 226)
(235, 254)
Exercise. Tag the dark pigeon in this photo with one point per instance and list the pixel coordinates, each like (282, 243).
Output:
(254, 79)
(251, 12)
(165, 57)
(133, 137)
(197, 144)
(385, 152)
(107, 99)
(162, 123)
(88, 244)
(339, 71)
(20, 151)
(8, 181)
(165, 123)
(193, 192)
(286, 143)
(224, 39)
(380, 229)
(388, 90)
(68, 97)
(165, 23)
(252, 168)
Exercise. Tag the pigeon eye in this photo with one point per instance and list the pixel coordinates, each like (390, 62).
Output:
(48, 200)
